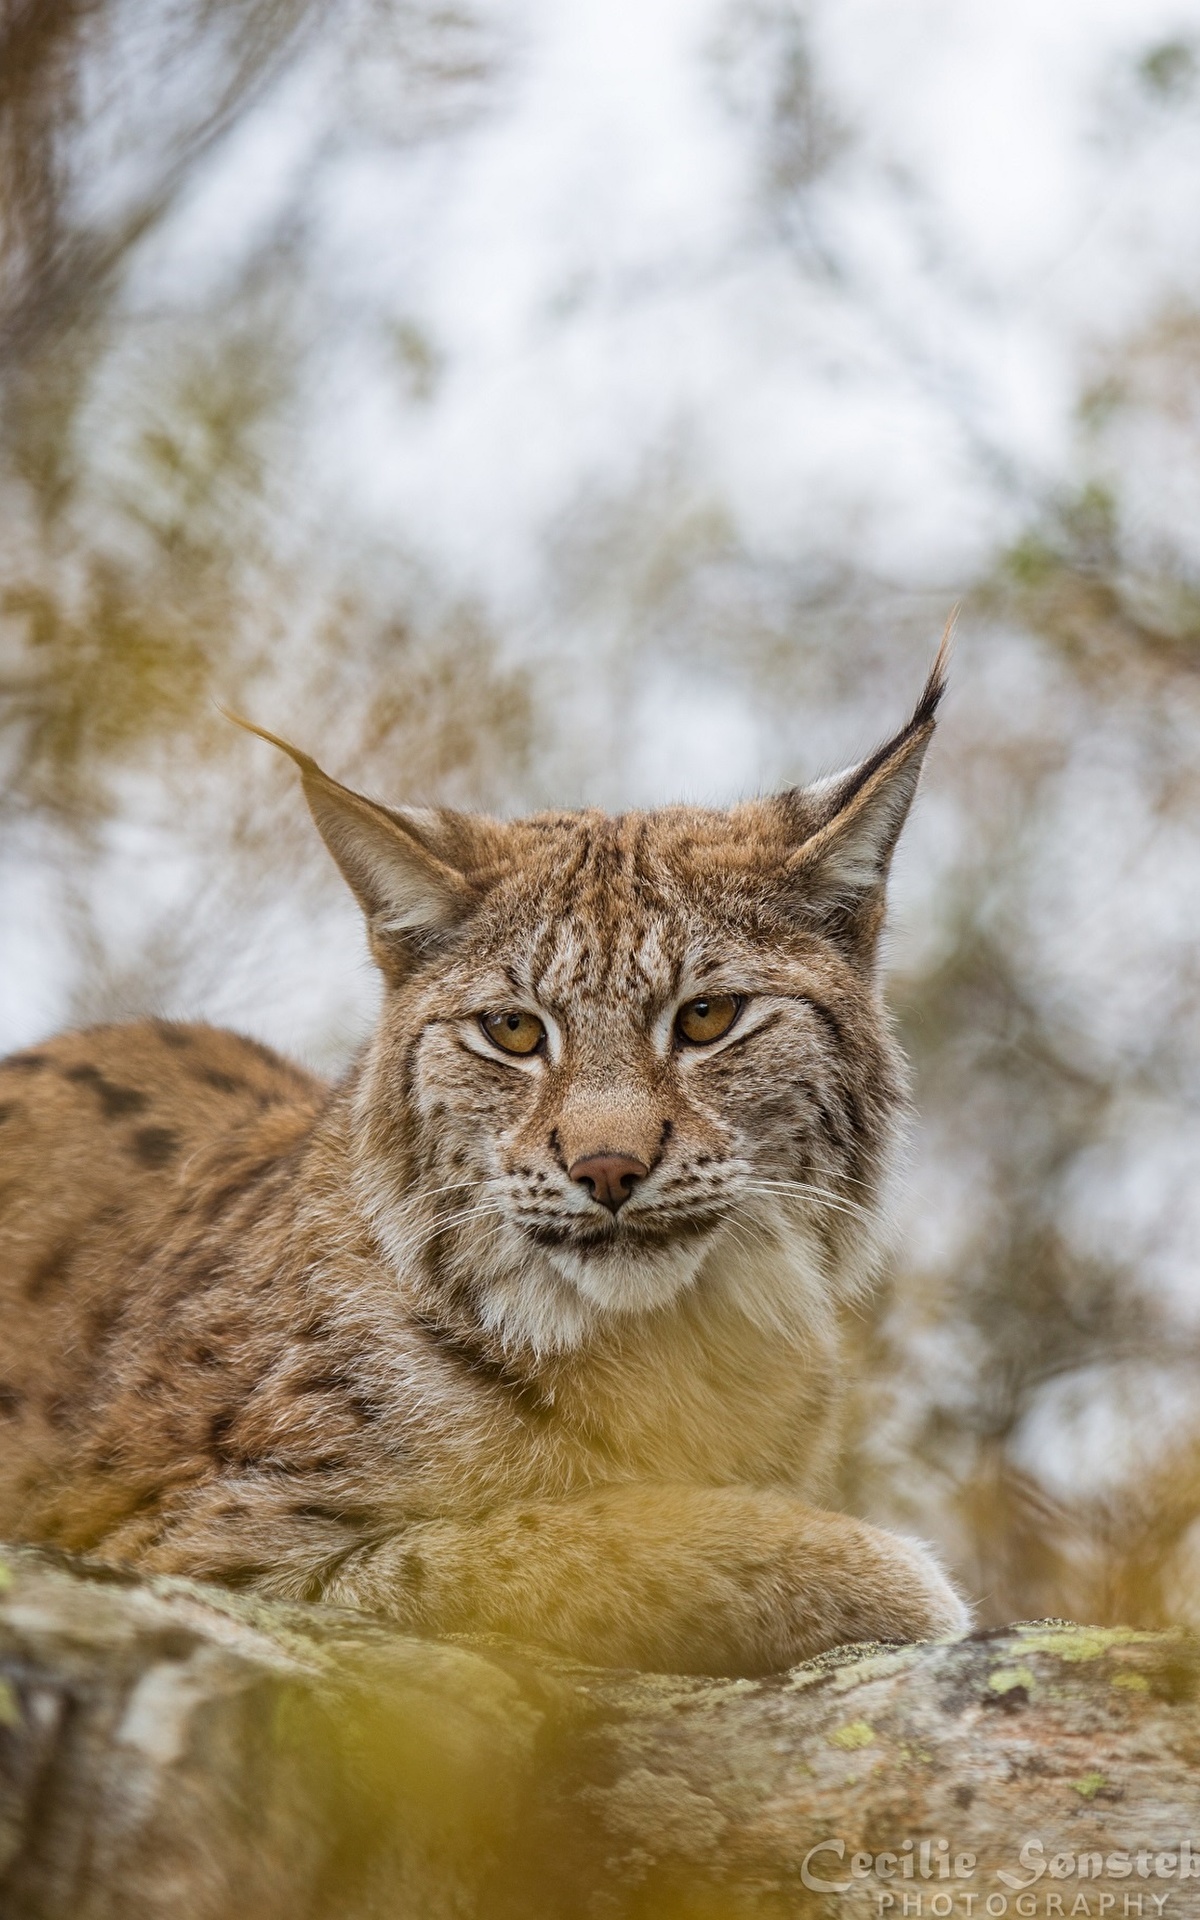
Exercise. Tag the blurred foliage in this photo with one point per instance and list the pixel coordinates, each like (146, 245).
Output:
(1170, 68)
(1055, 1042)
(149, 561)
(110, 639)
(1029, 1395)
(767, 75)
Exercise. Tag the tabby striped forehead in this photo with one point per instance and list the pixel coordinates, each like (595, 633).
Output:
(632, 960)
(609, 916)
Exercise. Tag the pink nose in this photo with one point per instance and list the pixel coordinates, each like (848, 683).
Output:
(608, 1177)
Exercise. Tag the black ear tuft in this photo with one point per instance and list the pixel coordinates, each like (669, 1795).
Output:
(840, 791)
(925, 711)
(851, 823)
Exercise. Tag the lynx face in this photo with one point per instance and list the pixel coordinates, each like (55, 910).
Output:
(602, 1142)
(622, 1057)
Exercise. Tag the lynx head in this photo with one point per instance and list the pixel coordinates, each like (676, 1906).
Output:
(621, 1058)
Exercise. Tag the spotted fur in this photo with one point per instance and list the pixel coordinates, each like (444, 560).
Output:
(372, 1343)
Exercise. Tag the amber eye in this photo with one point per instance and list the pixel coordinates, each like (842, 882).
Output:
(702, 1021)
(514, 1031)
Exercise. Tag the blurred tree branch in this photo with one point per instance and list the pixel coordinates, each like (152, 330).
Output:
(60, 268)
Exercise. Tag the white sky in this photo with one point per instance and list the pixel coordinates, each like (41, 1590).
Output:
(599, 278)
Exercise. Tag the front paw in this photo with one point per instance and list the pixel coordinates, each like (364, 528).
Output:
(903, 1593)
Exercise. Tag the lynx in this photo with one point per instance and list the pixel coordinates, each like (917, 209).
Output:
(532, 1324)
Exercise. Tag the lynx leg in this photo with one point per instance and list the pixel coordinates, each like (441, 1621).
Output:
(677, 1578)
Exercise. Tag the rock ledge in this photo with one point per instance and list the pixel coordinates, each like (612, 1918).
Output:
(170, 1751)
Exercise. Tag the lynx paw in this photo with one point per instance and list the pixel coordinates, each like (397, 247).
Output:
(909, 1596)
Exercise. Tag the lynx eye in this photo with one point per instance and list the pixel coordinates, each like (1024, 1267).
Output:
(702, 1021)
(513, 1031)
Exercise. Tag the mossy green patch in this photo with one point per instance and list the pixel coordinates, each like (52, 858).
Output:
(1132, 1682)
(855, 1733)
(1089, 1786)
(1004, 1679)
(1080, 1643)
(6, 1577)
(10, 1708)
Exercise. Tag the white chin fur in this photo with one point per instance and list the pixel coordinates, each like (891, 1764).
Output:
(768, 1272)
(618, 1280)
(552, 1302)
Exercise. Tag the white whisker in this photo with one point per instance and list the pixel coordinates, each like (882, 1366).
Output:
(797, 1190)
(419, 1242)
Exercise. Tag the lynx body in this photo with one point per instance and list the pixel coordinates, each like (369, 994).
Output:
(532, 1323)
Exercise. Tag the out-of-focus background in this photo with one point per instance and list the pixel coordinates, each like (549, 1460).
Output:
(540, 401)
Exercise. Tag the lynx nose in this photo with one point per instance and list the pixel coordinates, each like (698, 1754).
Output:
(608, 1177)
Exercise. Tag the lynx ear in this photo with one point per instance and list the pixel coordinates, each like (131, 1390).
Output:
(408, 894)
(852, 822)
